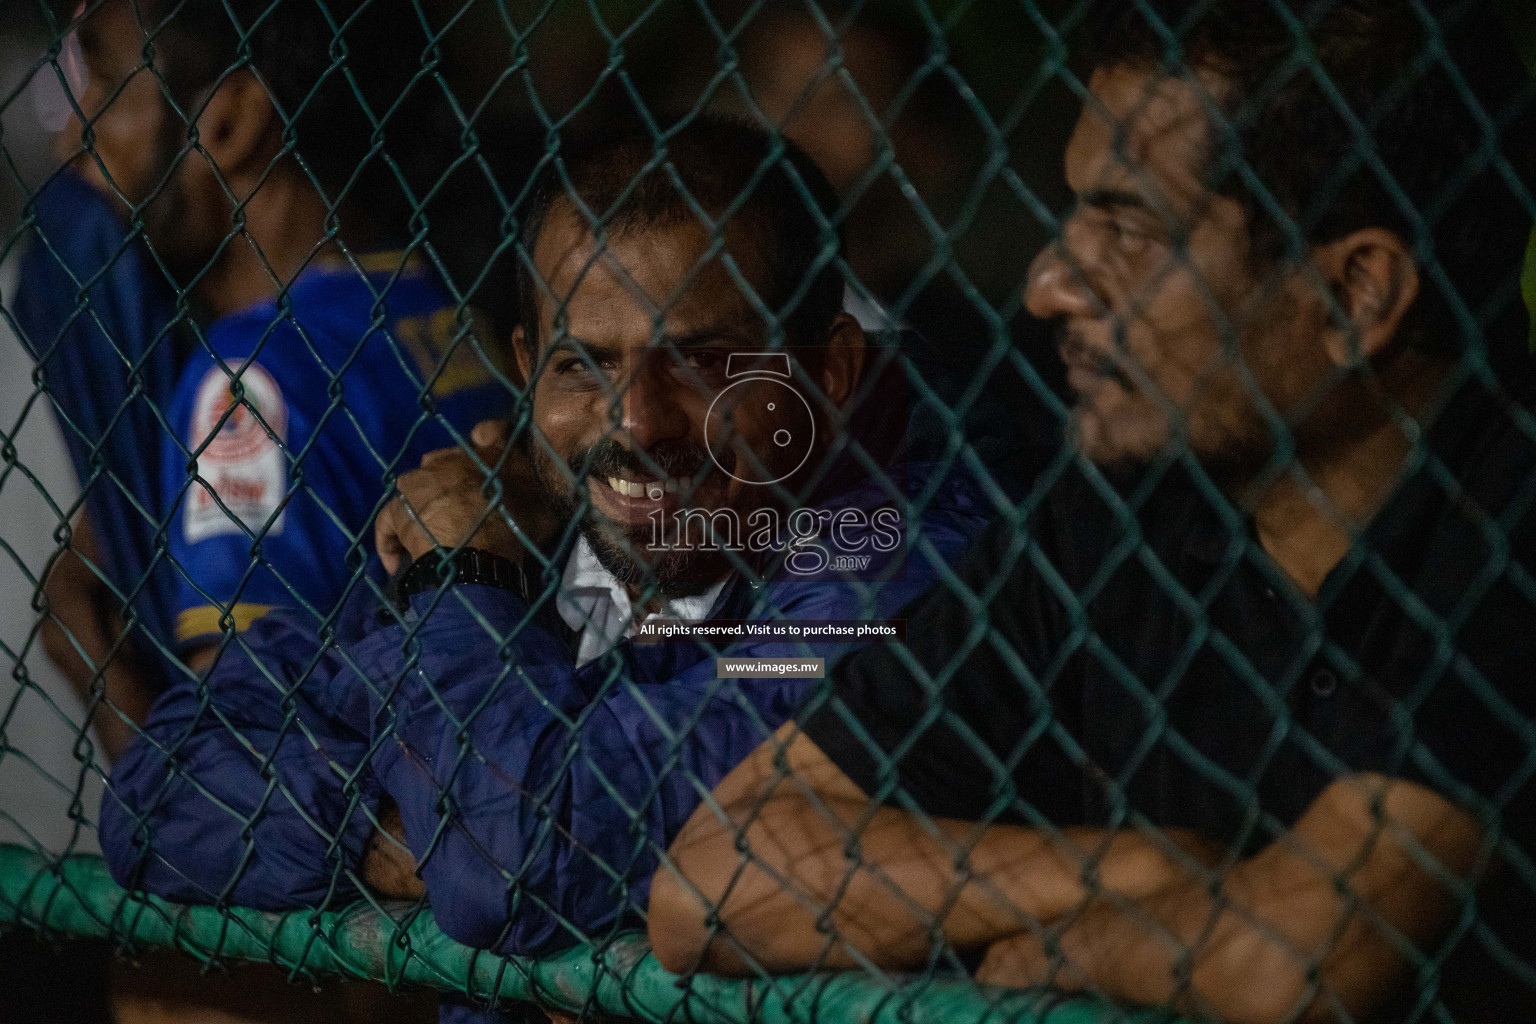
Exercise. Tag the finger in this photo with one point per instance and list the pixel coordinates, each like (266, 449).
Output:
(438, 456)
(445, 484)
(1013, 963)
(992, 965)
(436, 508)
(491, 434)
(418, 484)
(386, 538)
(447, 472)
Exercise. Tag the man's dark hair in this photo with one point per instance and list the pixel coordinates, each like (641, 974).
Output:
(628, 180)
(332, 69)
(1283, 87)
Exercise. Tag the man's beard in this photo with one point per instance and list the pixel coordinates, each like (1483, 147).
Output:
(624, 550)
(1226, 435)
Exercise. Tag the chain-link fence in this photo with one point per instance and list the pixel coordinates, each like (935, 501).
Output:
(776, 511)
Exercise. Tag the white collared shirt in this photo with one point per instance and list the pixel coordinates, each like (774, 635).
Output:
(597, 607)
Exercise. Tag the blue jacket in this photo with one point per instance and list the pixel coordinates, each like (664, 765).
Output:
(537, 795)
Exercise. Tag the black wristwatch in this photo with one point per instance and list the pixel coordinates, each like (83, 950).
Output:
(466, 565)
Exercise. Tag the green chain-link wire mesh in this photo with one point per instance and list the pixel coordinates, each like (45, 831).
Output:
(942, 217)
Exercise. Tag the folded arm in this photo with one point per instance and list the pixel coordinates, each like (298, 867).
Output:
(801, 870)
(83, 634)
(1373, 865)
(793, 868)
(240, 788)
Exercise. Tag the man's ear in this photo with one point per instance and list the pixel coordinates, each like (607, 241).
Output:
(521, 354)
(1375, 280)
(843, 363)
(239, 127)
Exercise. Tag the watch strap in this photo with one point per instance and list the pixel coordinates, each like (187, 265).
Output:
(464, 566)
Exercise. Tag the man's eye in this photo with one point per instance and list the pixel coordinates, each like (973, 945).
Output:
(705, 360)
(578, 365)
(1131, 240)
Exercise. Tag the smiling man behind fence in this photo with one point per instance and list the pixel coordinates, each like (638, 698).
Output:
(1241, 716)
(538, 759)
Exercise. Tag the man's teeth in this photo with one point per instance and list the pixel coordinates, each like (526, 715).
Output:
(653, 489)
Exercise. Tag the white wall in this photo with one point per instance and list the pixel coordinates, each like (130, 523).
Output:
(40, 774)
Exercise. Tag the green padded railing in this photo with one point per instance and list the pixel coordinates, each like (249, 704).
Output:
(75, 896)
(968, 49)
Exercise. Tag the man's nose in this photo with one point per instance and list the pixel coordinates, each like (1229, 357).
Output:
(1058, 283)
(651, 408)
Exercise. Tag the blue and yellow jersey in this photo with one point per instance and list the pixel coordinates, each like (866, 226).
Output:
(290, 420)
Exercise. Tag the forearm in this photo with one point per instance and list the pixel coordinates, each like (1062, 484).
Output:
(129, 694)
(1275, 938)
(126, 695)
(823, 878)
(81, 636)
(1234, 955)
(906, 886)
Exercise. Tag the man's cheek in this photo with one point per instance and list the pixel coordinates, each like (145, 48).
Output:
(567, 424)
(555, 486)
(765, 425)
(120, 166)
(126, 132)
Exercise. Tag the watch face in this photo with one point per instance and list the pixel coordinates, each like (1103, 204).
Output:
(760, 430)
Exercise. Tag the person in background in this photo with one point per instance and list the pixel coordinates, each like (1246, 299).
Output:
(325, 362)
(96, 314)
(226, 183)
(854, 88)
(1238, 719)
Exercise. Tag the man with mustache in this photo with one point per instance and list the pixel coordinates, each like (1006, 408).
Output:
(532, 758)
(1239, 718)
